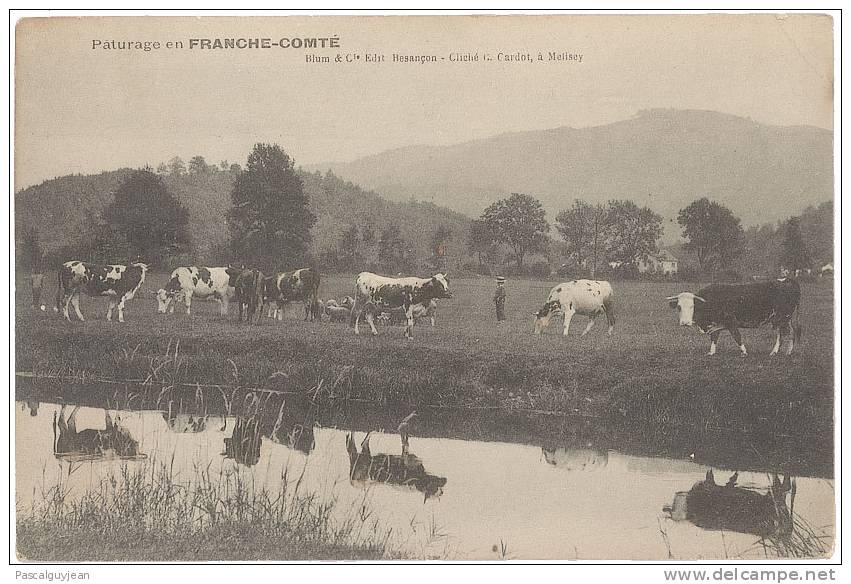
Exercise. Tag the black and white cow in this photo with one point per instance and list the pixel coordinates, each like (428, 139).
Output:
(589, 298)
(249, 291)
(188, 282)
(117, 282)
(375, 293)
(730, 307)
(301, 285)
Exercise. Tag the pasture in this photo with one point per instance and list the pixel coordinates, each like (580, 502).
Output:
(649, 370)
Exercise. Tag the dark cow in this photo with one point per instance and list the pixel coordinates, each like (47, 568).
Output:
(730, 307)
(249, 290)
(117, 282)
(301, 285)
(375, 293)
(405, 470)
(731, 508)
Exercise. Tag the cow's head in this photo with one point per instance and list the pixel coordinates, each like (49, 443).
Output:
(543, 316)
(164, 299)
(684, 302)
(234, 273)
(440, 284)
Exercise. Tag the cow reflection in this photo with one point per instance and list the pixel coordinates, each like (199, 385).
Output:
(405, 470)
(297, 436)
(30, 405)
(732, 508)
(576, 459)
(192, 423)
(244, 444)
(249, 431)
(114, 439)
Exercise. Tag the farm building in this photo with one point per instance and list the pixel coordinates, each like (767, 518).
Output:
(663, 262)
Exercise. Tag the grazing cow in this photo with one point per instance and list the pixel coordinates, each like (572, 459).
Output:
(300, 285)
(375, 293)
(398, 315)
(405, 470)
(730, 307)
(189, 282)
(576, 459)
(731, 508)
(589, 298)
(118, 282)
(249, 290)
(338, 313)
(70, 442)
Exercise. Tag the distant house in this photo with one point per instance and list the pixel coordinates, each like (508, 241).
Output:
(827, 269)
(664, 263)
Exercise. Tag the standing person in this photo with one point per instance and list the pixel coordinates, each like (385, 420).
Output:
(499, 299)
(37, 282)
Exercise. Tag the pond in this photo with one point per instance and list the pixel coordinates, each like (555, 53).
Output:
(454, 484)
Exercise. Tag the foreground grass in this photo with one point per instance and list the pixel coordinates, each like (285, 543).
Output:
(650, 370)
(150, 516)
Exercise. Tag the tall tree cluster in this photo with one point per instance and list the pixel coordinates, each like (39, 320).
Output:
(713, 233)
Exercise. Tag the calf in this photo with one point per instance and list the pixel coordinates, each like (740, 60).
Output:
(189, 282)
(731, 508)
(338, 313)
(730, 307)
(117, 282)
(388, 293)
(249, 291)
(301, 285)
(589, 298)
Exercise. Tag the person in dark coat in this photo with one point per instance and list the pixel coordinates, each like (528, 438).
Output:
(499, 299)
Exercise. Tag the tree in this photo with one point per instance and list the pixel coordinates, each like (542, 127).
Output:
(30, 250)
(518, 221)
(149, 217)
(585, 230)
(270, 220)
(439, 240)
(350, 254)
(713, 233)
(162, 168)
(793, 254)
(197, 165)
(633, 232)
(176, 167)
(392, 249)
(480, 241)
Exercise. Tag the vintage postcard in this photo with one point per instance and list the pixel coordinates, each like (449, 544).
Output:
(424, 287)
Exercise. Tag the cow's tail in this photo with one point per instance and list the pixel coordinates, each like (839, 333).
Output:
(797, 329)
(59, 291)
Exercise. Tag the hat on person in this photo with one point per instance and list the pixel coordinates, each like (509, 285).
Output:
(500, 279)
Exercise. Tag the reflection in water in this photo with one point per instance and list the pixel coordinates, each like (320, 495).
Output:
(30, 405)
(244, 444)
(182, 423)
(733, 508)
(92, 444)
(403, 470)
(573, 459)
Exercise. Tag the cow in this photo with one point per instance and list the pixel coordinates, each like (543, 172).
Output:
(338, 313)
(589, 298)
(300, 285)
(405, 470)
(373, 292)
(117, 282)
(730, 307)
(113, 439)
(188, 282)
(249, 291)
(732, 508)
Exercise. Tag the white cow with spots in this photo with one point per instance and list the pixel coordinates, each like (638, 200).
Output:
(117, 282)
(189, 282)
(590, 298)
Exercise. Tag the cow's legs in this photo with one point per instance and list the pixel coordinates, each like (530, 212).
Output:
(590, 324)
(279, 311)
(75, 302)
(187, 300)
(791, 332)
(66, 300)
(777, 342)
(109, 309)
(713, 342)
(432, 320)
(409, 322)
(223, 306)
(371, 321)
(737, 336)
(121, 309)
(568, 314)
(609, 309)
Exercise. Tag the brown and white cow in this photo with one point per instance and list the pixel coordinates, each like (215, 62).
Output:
(191, 281)
(301, 285)
(374, 293)
(249, 290)
(117, 282)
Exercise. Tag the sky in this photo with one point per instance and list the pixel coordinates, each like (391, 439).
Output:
(81, 108)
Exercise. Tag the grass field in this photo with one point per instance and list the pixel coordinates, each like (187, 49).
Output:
(650, 369)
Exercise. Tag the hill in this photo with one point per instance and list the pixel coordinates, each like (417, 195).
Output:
(661, 158)
(65, 209)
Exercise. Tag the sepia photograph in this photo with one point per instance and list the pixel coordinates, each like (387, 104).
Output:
(424, 288)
